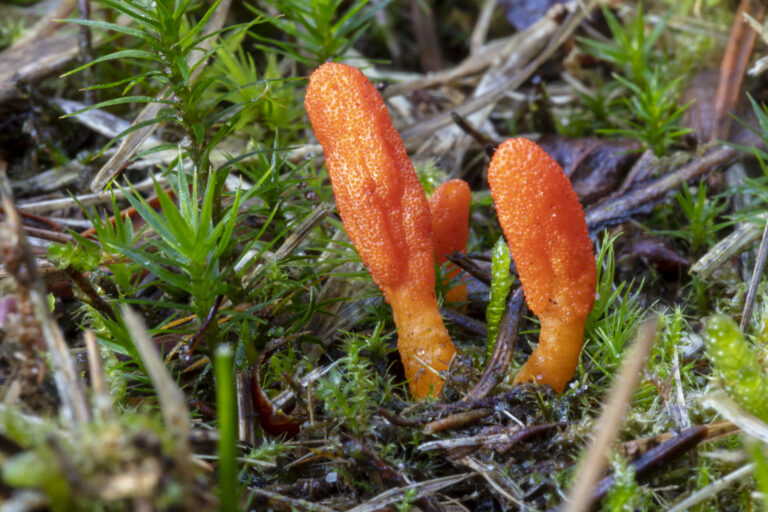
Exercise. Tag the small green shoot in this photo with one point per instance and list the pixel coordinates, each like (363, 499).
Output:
(320, 29)
(352, 388)
(501, 282)
(625, 494)
(629, 49)
(736, 364)
(174, 53)
(615, 315)
(265, 456)
(408, 501)
(188, 240)
(757, 452)
(10, 31)
(227, 416)
(701, 213)
(653, 105)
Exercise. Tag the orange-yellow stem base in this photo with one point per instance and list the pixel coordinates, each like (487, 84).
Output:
(556, 357)
(425, 347)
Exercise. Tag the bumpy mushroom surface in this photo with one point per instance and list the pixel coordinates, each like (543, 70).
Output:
(545, 228)
(449, 207)
(385, 213)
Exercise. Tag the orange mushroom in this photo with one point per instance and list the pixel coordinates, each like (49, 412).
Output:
(385, 213)
(449, 208)
(545, 228)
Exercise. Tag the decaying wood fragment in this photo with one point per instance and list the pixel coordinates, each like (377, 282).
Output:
(46, 48)
(745, 234)
(498, 365)
(620, 208)
(734, 66)
(457, 420)
(20, 263)
(655, 458)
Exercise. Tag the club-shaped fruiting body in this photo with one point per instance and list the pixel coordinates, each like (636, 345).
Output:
(545, 228)
(449, 208)
(384, 211)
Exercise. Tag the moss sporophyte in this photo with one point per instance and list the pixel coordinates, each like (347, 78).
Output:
(387, 216)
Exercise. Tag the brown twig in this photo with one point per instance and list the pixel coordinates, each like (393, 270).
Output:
(498, 364)
(206, 323)
(20, 263)
(86, 50)
(655, 458)
(618, 209)
(757, 276)
(399, 420)
(45, 234)
(638, 447)
(733, 67)
(424, 29)
(529, 432)
(457, 420)
(489, 145)
(467, 323)
(40, 220)
(95, 300)
(470, 267)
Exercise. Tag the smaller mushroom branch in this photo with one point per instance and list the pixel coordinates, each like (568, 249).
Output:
(385, 213)
(449, 208)
(545, 228)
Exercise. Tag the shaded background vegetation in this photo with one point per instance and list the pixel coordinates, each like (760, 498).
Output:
(276, 383)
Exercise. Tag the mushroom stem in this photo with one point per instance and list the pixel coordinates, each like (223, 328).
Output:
(547, 235)
(555, 358)
(384, 211)
(423, 341)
